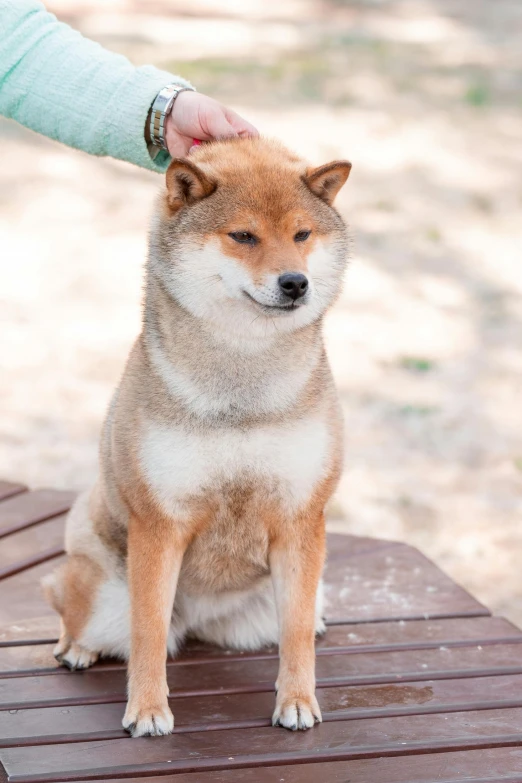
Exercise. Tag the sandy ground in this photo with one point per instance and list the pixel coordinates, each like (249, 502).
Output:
(424, 98)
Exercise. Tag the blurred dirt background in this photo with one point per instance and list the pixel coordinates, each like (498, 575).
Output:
(425, 98)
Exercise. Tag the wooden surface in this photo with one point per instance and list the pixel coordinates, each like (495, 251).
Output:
(416, 681)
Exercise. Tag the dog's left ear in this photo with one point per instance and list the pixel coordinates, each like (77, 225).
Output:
(186, 184)
(326, 181)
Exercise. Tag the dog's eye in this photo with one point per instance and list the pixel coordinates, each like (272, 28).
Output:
(302, 236)
(243, 237)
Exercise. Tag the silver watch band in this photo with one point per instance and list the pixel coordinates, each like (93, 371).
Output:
(160, 109)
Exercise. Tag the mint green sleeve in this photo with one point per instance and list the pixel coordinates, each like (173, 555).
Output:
(60, 84)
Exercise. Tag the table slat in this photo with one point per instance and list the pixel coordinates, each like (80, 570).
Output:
(342, 740)
(30, 508)
(391, 583)
(205, 713)
(9, 488)
(491, 765)
(29, 547)
(22, 599)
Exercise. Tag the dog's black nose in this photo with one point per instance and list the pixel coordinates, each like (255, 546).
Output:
(293, 284)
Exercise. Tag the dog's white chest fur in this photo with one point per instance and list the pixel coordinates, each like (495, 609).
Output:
(179, 465)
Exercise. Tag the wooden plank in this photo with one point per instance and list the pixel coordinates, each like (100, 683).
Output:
(9, 489)
(32, 546)
(339, 639)
(31, 508)
(341, 546)
(258, 747)
(395, 582)
(491, 765)
(34, 560)
(50, 725)
(384, 636)
(258, 676)
(21, 599)
(34, 631)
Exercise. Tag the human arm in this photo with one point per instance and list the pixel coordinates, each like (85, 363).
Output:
(60, 84)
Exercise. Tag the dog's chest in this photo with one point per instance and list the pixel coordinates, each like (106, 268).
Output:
(281, 464)
(230, 553)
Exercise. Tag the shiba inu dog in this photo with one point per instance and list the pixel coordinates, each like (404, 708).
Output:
(223, 441)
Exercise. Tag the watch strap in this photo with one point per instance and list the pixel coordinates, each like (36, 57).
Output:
(160, 109)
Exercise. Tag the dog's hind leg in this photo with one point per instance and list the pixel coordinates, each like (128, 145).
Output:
(70, 654)
(71, 590)
(64, 641)
(77, 657)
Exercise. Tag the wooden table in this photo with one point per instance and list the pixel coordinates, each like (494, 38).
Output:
(416, 681)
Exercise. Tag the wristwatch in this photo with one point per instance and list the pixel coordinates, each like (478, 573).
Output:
(159, 111)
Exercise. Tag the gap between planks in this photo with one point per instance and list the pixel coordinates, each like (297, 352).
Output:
(30, 562)
(479, 612)
(63, 504)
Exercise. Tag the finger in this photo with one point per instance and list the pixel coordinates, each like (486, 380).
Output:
(241, 126)
(217, 125)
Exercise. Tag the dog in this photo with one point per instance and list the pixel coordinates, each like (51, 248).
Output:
(223, 441)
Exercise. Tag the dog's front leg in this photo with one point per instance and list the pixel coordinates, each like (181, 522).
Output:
(154, 561)
(296, 562)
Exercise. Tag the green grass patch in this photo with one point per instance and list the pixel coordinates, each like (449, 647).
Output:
(433, 234)
(477, 95)
(416, 364)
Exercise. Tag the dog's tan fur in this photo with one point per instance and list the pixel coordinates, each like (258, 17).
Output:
(223, 441)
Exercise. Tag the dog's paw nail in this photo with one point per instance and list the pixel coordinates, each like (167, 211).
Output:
(296, 714)
(77, 657)
(151, 722)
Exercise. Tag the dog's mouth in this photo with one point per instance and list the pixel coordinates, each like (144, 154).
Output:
(282, 309)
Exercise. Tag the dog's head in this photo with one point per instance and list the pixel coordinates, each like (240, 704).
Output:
(248, 239)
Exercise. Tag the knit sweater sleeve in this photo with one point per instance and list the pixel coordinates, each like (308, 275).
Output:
(60, 84)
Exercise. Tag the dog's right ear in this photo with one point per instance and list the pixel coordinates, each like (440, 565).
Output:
(326, 181)
(186, 184)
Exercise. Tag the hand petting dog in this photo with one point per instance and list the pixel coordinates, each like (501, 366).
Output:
(196, 116)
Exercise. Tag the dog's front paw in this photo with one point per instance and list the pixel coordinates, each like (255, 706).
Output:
(154, 721)
(296, 713)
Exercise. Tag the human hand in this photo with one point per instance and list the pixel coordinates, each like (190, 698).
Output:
(196, 116)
